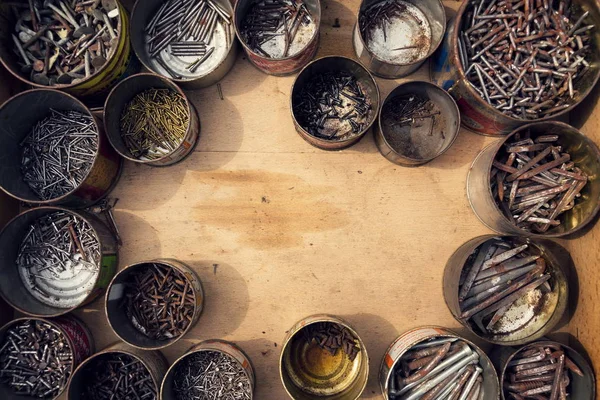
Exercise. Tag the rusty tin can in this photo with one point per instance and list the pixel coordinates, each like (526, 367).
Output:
(477, 115)
(419, 31)
(584, 153)
(210, 72)
(411, 146)
(221, 346)
(13, 289)
(154, 361)
(118, 65)
(414, 337)
(580, 388)
(78, 336)
(18, 116)
(120, 322)
(286, 65)
(309, 372)
(123, 93)
(336, 64)
(546, 312)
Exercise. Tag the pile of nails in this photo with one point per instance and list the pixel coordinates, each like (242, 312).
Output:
(499, 274)
(445, 368)
(275, 22)
(540, 372)
(407, 110)
(186, 29)
(525, 58)
(58, 248)
(154, 123)
(64, 41)
(534, 181)
(117, 376)
(332, 337)
(59, 153)
(159, 301)
(35, 359)
(378, 15)
(332, 106)
(210, 375)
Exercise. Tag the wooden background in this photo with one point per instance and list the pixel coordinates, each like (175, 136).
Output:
(278, 230)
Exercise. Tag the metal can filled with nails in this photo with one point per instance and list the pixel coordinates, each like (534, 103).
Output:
(210, 369)
(508, 290)
(418, 122)
(55, 260)
(541, 180)
(152, 304)
(334, 102)
(279, 36)
(38, 356)
(151, 121)
(393, 38)
(544, 369)
(323, 357)
(508, 64)
(118, 372)
(435, 363)
(59, 131)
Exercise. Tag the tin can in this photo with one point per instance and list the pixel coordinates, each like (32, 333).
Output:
(409, 339)
(154, 361)
(423, 24)
(123, 93)
(287, 65)
(119, 63)
(211, 71)
(12, 287)
(584, 153)
(79, 339)
(121, 323)
(18, 116)
(546, 312)
(336, 64)
(580, 388)
(308, 371)
(221, 346)
(477, 115)
(409, 145)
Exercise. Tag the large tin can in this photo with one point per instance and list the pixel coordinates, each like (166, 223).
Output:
(13, 289)
(287, 65)
(407, 340)
(123, 93)
(18, 116)
(321, 374)
(584, 153)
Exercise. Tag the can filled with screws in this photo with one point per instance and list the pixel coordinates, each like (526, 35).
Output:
(417, 123)
(118, 372)
(281, 36)
(55, 152)
(323, 357)
(151, 121)
(334, 102)
(541, 180)
(210, 369)
(54, 260)
(191, 42)
(152, 304)
(434, 363)
(393, 38)
(510, 64)
(38, 356)
(77, 46)
(508, 290)
(546, 369)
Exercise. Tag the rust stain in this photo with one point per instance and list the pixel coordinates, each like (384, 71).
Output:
(267, 209)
